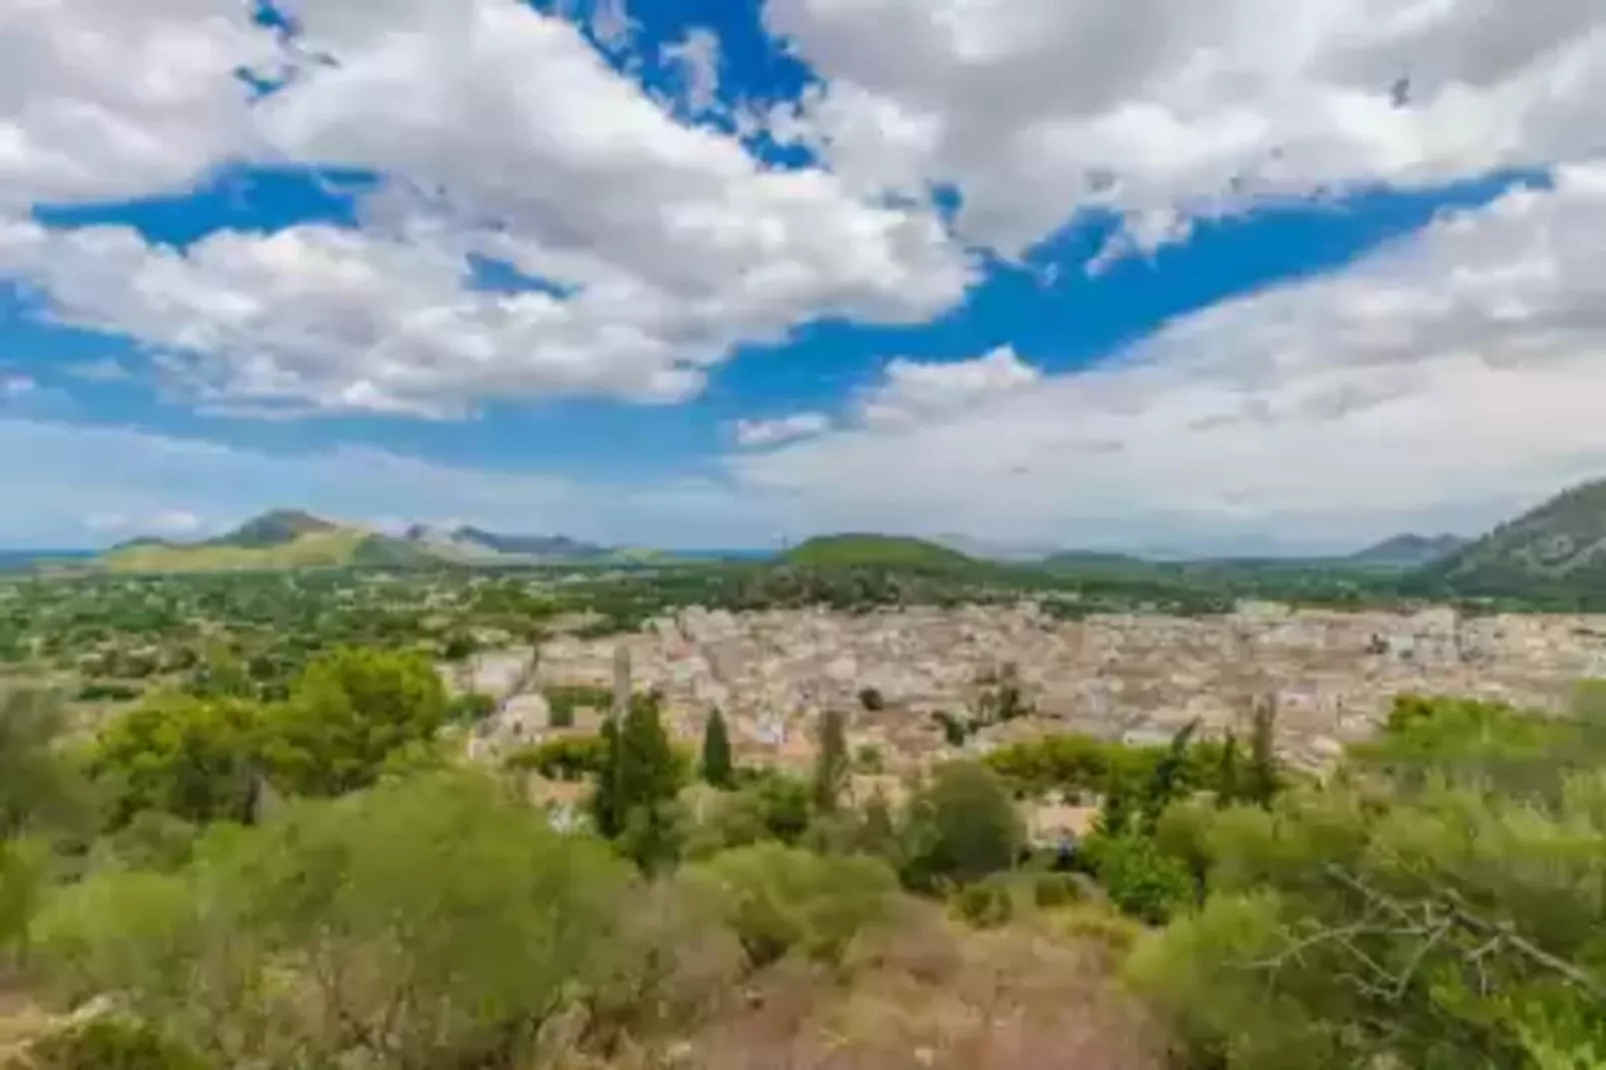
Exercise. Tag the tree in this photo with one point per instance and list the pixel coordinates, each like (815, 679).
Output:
(1436, 903)
(640, 780)
(193, 758)
(960, 827)
(1262, 781)
(436, 923)
(831, 762)
(1227, 773)
(348, 712)
(38, 789)
(1169, 780)
(716, 764)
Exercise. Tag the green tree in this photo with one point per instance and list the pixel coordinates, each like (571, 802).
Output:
(438, 923)
(1227, 774)
(831, 762)
(960, 827)
(1262, 779)
(716, 764)
(1435, 903)
(640, 779)
(39, 789)
(348, 712)
(1169, 781)
(194, 758)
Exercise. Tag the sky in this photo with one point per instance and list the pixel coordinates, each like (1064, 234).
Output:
(1160, 276)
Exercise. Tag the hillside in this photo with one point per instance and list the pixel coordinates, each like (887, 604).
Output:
(856, 550)
(554, 547)
(277, 540)
(1557, 550)
(1407, 551)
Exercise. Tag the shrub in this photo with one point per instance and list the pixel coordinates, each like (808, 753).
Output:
(112, 1044)
(1141, 880)
(779, 900)
(961, 827)
(986, 904)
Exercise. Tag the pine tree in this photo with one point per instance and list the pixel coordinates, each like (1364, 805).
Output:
(1261, 780)
(831, 762)
(717, 767)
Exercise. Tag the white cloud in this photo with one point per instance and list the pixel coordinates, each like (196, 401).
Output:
(781, 429)
(912, 391)
(1168, 111)
(1442, 383)
(107, 100)
(668, 244)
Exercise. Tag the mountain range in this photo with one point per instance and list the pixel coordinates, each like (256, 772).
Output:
(1555, 552)
(290, 538)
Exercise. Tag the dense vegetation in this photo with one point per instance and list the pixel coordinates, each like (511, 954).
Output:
(315, 878)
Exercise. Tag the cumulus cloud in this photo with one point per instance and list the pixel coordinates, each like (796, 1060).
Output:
(696, 57)
(653, 247)
(100, 101)
(912, 391)
(1168, 112)
(781, 429)
(1442, 383)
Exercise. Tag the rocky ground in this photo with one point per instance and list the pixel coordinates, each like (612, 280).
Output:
(1330, 673)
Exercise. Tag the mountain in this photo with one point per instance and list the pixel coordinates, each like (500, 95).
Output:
(858, 550)
(277, 528)
(559, 547)
(1407, 551)
(281, 539)
(1556, 550)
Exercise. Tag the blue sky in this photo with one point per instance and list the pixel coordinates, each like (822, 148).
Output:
(707, 272)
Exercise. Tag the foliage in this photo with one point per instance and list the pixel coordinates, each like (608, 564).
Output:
(112, 1044)
(436, 921)
(349, 711)
(564, 700)
(831, 763)
(1141, 880)
(986, 904)
(190, 757)
(567, 758)
(640, 778)
(960, 827)
(1436, 904)
(39, 789)
(716, 766)
(780, 899)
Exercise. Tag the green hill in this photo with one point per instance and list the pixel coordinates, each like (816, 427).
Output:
(277, 528)
(855, 550)
(1556, 551)
(283, 539)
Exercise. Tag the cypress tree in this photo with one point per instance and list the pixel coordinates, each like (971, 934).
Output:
(831, 762)
(1261, 780)
(717, 767)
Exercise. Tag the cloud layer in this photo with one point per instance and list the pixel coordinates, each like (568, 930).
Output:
(1441, 382)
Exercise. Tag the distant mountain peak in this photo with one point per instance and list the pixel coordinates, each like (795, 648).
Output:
(1558, 547)
(1409, 550)
(274, 528)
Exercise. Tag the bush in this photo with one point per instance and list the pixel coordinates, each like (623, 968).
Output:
(987, 904)
(960, 828)
(779, 900)
(112, 1044)
(1052, 890)
(1141, 881)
